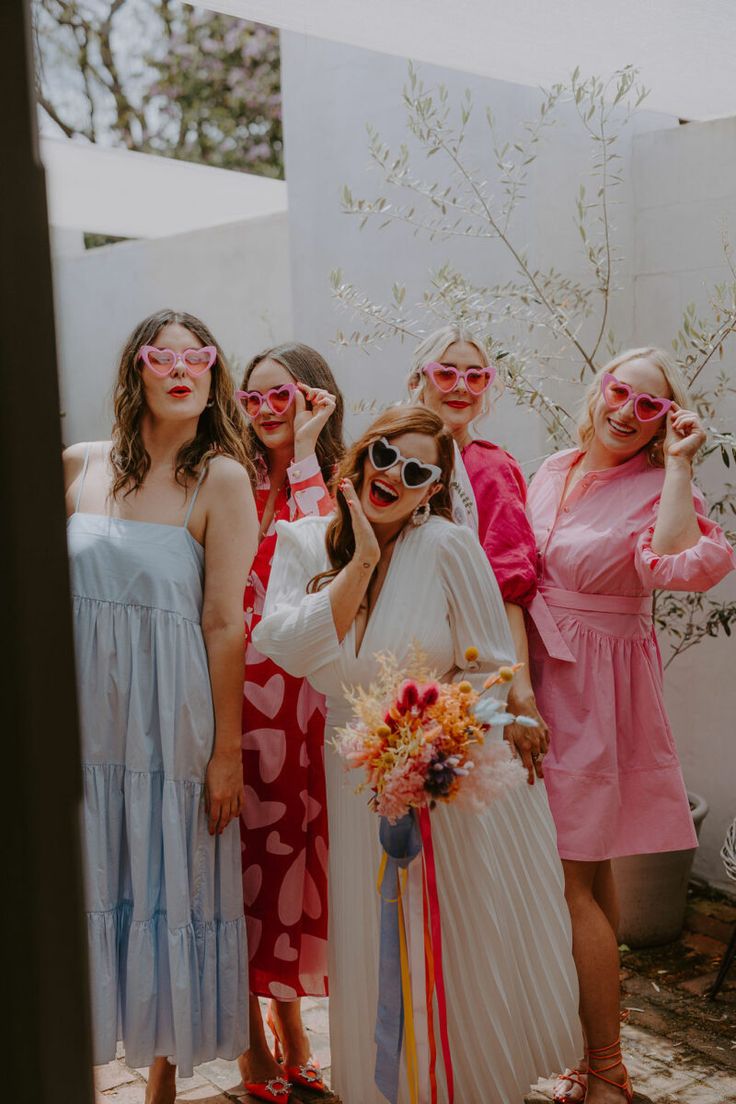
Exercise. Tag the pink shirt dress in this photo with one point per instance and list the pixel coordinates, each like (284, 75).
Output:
(612, 774)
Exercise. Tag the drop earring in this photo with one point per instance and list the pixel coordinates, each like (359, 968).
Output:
(420, 515)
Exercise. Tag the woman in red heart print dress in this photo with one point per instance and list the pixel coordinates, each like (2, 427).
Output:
(295, 415)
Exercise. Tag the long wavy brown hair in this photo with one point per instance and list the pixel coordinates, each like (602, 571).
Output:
(391, 423)
(220, 429)
(305, 365)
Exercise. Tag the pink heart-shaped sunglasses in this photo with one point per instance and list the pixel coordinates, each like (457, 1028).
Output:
(277, 399)
(446, 377)
(647, 408)
(163, 361)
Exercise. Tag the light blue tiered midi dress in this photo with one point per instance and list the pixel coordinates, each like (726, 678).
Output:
(164, 899)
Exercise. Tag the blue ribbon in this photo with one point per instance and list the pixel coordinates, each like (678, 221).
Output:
(402, 842)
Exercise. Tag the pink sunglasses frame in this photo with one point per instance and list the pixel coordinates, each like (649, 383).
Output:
(429, 370)
(145, 351)
(263, 397)
(664, 404)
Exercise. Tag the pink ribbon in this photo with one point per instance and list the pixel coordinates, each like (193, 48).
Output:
(436, 928)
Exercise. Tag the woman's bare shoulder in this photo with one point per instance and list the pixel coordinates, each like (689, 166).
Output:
(225, 471)
(73, 457)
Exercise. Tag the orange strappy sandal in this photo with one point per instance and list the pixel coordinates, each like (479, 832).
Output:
(576, 1078)
(612, 1055)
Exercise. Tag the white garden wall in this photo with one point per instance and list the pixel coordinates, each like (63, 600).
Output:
(680, 180)
(234, 277)
(684, 201)
(260, 281)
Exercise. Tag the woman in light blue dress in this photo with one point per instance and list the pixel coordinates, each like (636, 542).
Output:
(162, 529)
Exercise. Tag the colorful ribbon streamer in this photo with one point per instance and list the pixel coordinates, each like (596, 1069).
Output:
(402, 842)
(436, 934)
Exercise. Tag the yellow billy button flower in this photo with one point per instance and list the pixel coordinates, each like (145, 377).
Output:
(383, 730)
(471, 654)
(506, 674)
(465, 687)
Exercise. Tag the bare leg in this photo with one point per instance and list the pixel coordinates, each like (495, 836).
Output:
(605, 893)
(257, 1063)
(161, 1087)
(595, 950)
(288, 1020)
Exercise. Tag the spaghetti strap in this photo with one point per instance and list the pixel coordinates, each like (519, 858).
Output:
(82, 477)
(194, 496)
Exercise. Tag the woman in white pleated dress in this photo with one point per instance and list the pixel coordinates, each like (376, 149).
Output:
(399, 572)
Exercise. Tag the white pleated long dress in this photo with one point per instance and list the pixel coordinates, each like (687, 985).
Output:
(511, 988)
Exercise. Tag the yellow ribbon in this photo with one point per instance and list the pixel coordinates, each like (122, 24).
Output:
(411, 1042)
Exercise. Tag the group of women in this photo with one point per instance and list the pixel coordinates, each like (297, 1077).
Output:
(220, 831)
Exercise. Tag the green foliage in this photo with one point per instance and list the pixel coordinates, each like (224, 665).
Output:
(158, 76)
(546, 330)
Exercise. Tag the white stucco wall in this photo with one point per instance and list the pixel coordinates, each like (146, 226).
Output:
(679, 181)
(235, 278)
(685, 198)
(347, 88)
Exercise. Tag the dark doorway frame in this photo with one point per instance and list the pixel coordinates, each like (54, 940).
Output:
(47, 1053)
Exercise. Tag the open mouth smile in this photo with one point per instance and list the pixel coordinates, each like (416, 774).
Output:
(620, 429)
(381, 493)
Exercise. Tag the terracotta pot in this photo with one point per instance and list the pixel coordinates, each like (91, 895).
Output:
(652, 890)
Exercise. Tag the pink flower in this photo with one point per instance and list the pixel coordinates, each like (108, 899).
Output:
(403, 789)
(430, 694)
(408, 695)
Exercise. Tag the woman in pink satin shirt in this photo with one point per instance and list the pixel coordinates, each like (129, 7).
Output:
(614, 520)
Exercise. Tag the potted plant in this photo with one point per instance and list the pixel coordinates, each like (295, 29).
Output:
(652, 890)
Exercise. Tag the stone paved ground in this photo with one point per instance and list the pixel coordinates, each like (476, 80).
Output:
(680, 1047)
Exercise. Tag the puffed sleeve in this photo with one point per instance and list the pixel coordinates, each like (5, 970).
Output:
(309, 494)
(697, 568)
(508, 540)
(475, 607)
(297, 630)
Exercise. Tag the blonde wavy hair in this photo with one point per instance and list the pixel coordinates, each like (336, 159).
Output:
(658, 358)
(221, 427)
(433, 347)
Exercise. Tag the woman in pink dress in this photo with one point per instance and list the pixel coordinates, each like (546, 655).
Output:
(614, 520)
(295, 411)
(452, 376)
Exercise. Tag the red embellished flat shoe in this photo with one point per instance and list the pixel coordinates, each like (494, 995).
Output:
(275, 1091)
(309, 1076)
(306, 1080)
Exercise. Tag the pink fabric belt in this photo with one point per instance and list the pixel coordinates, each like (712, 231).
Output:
(542, 616)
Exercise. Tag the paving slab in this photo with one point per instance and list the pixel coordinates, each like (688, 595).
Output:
(679, 1045)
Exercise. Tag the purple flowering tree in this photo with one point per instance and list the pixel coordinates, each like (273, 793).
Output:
(160, 77)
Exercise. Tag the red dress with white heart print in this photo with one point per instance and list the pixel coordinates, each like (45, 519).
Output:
(284, 816)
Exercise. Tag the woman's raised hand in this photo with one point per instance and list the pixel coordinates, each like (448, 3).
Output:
(685, 434)
(314, 408)
(367, 550)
